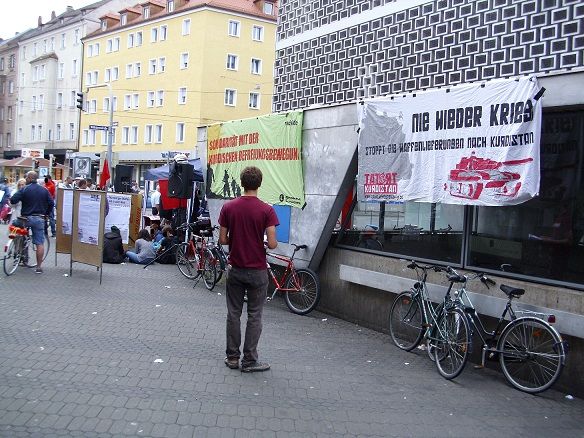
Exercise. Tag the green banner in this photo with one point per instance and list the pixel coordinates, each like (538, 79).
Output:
(272, 143)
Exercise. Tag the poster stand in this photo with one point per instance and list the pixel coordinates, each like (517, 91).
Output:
(64, 222)
(88, 225)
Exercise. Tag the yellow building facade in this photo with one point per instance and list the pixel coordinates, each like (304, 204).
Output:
(169, 72)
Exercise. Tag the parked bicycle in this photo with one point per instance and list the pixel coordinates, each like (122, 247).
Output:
(195, 259)
(20, 250)
(218, 252)
(530, 351)
(301, 287)
(413, 316)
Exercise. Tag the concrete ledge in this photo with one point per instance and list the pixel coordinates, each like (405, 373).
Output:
(567, 323)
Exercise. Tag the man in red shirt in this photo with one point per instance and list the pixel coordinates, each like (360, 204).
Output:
(50, 186)
(244, 221)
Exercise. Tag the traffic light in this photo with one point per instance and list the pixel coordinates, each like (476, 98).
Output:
(80, 99)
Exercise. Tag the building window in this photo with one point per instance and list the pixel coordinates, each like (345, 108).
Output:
(146, 12)
(230, 97)
(10, 87)
(12, 61)
(131, 37)
(150, 99)
(182, 95)
(40, 132)
(163, 32)
(184, 60)
(72, 99)
(268, 8)
(52, 44)
(129, 71)
(158, 134)
(134, 135)
(93, 106)
(104, 138)
(86, 137)
(59, 100)
(160, 98)
(61, 73)
(161, 65)
(71, 131)
(257, 33)
(154, 35)
(135, 100)
(256, 66)
(231, 62)
(126, 135)
(103, 24)
(106, 104)
(2, 64)
(138, 38)
(74, 68)
(170, 6)
(148, 134)
(108, 74)
(115, 73)
(108, 46)
(41, 102)
(254, 100)
(116, 44)
(127, 101)
(186, 26)
(180, 132)
(123, 19)
(76, 36)
(137, 69)
(96, 49)
(32, 132)
(63, 40)
(152, 66)
(10, 113)
(233, 28)
(34, 103)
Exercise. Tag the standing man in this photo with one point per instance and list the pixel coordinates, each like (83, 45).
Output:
(155, 201)
(36, 204)
(244, 221)
(50, 186)
(68, 183)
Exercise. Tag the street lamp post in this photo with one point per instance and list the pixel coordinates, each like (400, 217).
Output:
(110, 131)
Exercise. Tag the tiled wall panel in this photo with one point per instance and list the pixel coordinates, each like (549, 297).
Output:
(438, 43)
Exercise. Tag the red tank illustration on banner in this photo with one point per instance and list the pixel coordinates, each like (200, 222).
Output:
(474, 176)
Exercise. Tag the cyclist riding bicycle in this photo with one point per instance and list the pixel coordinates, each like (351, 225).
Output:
(36, 205)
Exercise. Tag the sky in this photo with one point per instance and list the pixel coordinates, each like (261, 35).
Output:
(16, 18)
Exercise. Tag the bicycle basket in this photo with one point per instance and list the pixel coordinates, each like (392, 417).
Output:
(14, 231)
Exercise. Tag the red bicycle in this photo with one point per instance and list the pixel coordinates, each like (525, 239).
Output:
(301, 287)
(195, 259)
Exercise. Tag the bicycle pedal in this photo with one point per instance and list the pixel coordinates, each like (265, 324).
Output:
(479, 367)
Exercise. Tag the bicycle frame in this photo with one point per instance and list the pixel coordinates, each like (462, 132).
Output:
(287, 272)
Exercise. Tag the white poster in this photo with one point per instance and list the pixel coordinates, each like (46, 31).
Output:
(118, 209)
(88, 218)
(469, 144)
(67, 212)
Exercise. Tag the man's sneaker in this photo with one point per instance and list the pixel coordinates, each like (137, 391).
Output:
(38, 271)
(255, 367)
(232, 363)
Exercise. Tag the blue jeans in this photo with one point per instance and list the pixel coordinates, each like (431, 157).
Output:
(134, 258)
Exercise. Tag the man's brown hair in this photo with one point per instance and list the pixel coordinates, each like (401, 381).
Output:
(251, 178)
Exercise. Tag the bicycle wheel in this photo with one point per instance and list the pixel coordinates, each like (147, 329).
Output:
(406, 321)
(452, 344)
(209, 269)
(531, 354)
(186, 261)
(306, 291)
(439, 311)
(13, 256)
(220, 262)
(29, 253)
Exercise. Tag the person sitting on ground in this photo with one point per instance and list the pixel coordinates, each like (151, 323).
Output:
(158, 235)
(166, 255)
(154, 228)
(113, 249)
(143, 252)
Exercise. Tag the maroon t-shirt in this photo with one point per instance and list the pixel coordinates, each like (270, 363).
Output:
(246, 219)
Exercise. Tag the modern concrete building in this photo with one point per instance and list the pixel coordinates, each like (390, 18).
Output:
(49, 65)
(331, 55)
(171, 66)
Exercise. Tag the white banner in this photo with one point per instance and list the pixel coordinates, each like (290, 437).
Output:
(469, 144)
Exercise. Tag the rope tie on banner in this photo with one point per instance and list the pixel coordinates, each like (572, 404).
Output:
(539, 93)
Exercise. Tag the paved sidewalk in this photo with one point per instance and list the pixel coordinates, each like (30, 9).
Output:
(142, 355)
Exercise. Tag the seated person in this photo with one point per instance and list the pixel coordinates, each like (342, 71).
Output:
(166, 254)
(113, 250)
(143, 252)
(158, 235)
(154, 229)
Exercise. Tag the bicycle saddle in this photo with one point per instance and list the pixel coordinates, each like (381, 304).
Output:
(511, 291)
(453, 278)
(300, 246)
